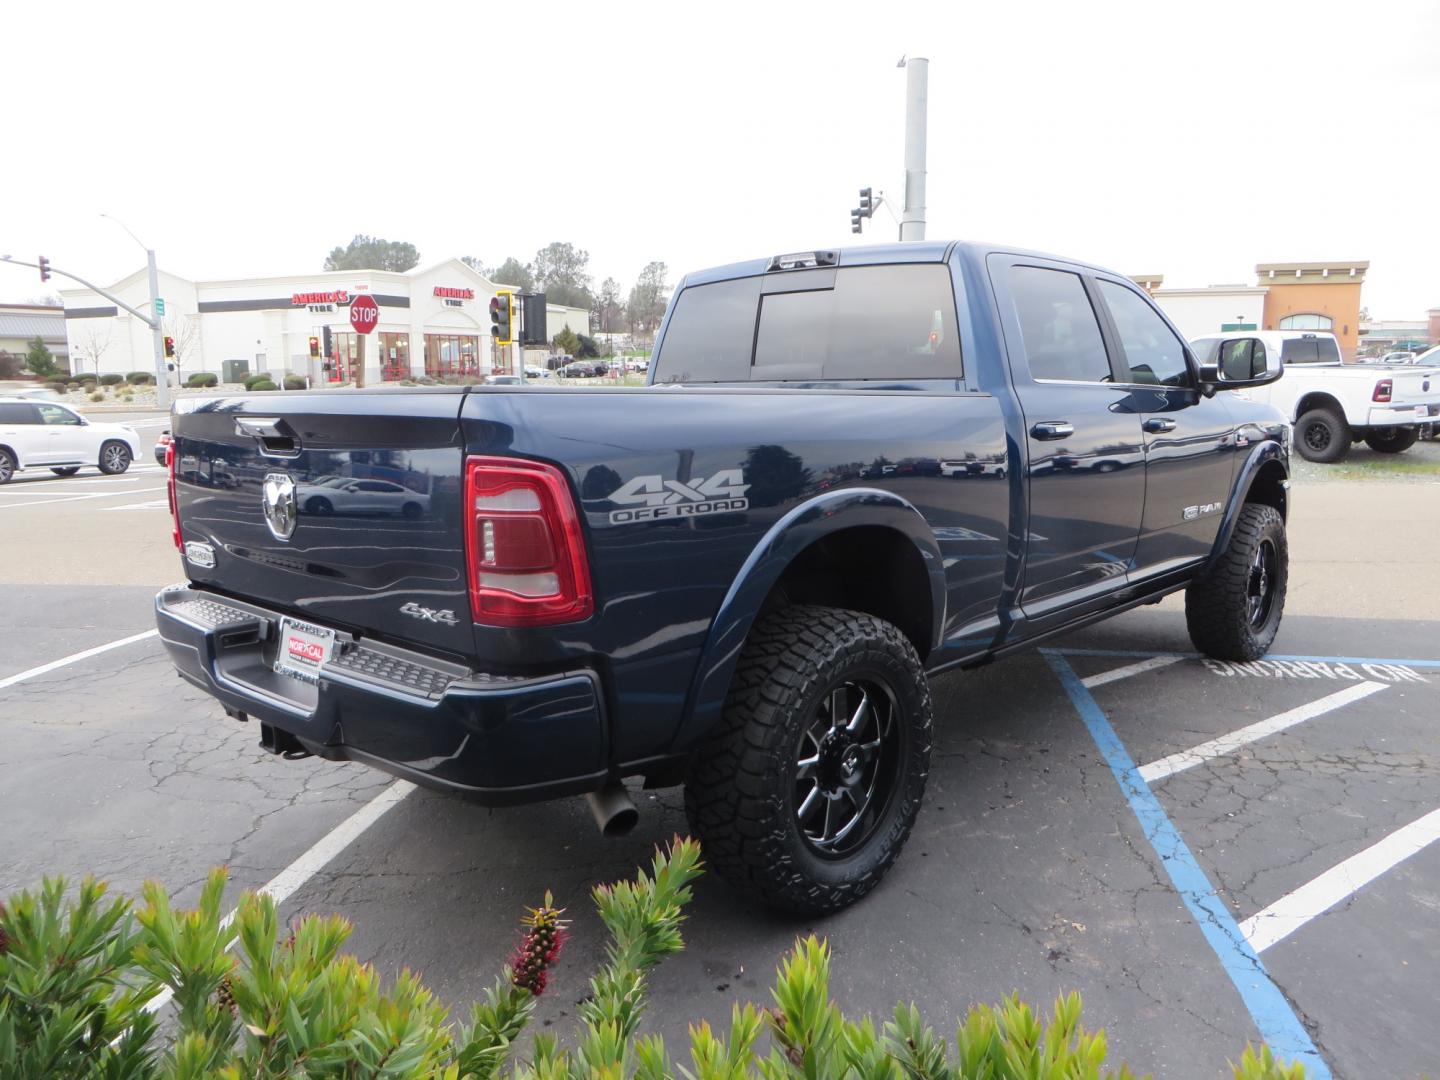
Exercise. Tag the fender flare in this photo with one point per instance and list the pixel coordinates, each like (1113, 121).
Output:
(1262, 455)
(776, 550)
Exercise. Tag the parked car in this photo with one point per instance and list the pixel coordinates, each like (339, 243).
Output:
(720, 581)
(582, 369)
(637, 363)
(1399, 357)
(536, 372)
(162, 444)
(1332, 404)
(35, 434)
(360, 495)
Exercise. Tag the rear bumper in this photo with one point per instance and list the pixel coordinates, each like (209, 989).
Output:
(1402, 416)
(489, 738)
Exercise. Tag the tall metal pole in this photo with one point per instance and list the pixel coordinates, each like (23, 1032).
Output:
(917, 77)
(162, 374)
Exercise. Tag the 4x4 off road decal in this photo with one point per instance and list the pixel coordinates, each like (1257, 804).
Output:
(650, 498)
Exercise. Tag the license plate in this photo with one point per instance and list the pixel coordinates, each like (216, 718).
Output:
(303, 648)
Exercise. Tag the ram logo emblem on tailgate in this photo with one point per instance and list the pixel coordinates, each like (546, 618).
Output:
(655, 497)
(277, 500)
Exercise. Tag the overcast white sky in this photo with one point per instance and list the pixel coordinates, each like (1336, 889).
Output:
(1189, 139)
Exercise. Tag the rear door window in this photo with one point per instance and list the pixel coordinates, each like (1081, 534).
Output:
(1155, 356)
(1060, 333)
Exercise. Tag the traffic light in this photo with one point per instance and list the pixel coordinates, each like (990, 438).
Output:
(314, 348)
(169, 348)
(855, 221)
(502, 307)
(867, 204)
(328, 349)
(44, 268)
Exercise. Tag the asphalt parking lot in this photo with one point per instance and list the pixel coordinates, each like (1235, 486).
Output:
(1210, 854)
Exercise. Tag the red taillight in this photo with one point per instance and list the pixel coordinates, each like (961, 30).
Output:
(1383, 390)
(170, 488)
(524, 550)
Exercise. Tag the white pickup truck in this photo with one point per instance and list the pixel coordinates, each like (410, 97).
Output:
(1332, 403)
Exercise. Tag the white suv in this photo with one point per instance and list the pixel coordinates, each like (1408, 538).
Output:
(35, 434)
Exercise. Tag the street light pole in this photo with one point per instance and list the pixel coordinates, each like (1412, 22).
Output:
(162, 374)
(917, 95)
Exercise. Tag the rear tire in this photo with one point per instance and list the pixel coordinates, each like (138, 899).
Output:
(808, 789)
(1391, 440)
(7, 466)
(1323, 436)
(1234, 611)
(114, 458)
(68, 470)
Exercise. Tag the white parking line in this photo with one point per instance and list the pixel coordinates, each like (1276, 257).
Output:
(153, 504)
(284, 884)
(1314, 898)
(1228, 744)
(1116, 674)
(42, 499)
(73, 657)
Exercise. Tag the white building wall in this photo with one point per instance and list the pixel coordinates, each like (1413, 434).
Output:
(1205, 311)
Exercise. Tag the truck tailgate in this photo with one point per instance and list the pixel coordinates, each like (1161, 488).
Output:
(374, 480)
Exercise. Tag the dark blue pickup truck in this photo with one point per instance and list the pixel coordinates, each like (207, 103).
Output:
(851, 469)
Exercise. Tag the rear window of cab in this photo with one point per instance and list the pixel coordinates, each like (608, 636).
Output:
(852, 323)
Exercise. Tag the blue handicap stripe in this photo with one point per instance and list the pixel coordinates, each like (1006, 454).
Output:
(1273, 1016)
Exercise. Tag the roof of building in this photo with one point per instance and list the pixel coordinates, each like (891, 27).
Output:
(1358, 265)
(46, 323)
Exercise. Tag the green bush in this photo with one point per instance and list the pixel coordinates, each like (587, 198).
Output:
(261, 384)
(77, 972)
(203, 378)
(255, 377)
(58, 387)
(72, 380)
(111, 379)
(140, 378)
(97, 396)
(295, 382)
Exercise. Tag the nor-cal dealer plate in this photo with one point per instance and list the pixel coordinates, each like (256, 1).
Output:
(303, 647)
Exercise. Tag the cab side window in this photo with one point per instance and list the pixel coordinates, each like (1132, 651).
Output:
(53, 414)
(1154, 355)
(1058, 326)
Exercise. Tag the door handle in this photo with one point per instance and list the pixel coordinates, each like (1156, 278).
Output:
(1050, 430)
(1157, 424)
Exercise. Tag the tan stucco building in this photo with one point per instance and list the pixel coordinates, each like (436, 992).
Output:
(1314, 296)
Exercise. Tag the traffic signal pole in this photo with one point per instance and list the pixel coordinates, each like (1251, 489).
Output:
(162, 383)
(917, 78)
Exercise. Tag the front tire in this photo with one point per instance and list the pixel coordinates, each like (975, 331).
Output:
(7, 466)
(114, 458)
(1323, 436)
(1391, 440)
(808, 789)
(1233, 612)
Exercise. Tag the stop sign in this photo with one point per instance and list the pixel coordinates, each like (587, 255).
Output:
(364, 313)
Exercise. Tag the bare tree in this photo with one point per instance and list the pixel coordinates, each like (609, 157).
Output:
(184, 330)
(93, 342)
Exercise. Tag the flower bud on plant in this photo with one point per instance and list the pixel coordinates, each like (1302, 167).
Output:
(539, 946)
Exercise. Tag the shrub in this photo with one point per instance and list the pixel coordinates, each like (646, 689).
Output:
(261, 384)
(77, 974)
(111, 379)
(295, 382)
(72, 380)
(203, 378)
(140, 378)
(97, 396)
(58, 387)
(255, 377)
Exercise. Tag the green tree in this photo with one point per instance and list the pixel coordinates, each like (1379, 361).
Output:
(562, 274)
(566, 341)
(607, 306)
(9, 365)
(473, 262)
(514, 273)
(373, 253)
(648, 299)
(39, 359)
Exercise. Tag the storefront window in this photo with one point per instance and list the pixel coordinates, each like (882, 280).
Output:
(452, 356)
(344, 355)
(394, 356)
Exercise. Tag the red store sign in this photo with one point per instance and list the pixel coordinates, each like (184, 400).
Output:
(301, 299)
(448, 293)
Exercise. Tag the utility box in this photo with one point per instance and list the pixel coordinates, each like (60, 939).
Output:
(234, 371)
(533, 323)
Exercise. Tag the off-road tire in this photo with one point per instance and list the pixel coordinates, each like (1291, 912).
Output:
(1391, 440)
(1218, 606)
(114, 458)
(68, 470)
(1322, 436)
(741, 789)
(7, 466)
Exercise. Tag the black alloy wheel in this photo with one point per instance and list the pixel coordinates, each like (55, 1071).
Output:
(846, 767)
(1260, 591)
